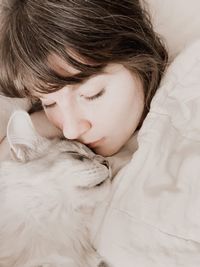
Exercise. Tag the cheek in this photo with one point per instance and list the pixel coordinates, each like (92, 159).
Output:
(122, 110)
(115, 108)
(54, 117)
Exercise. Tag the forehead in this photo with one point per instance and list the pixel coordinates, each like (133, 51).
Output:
(63, 68)
(70, 75)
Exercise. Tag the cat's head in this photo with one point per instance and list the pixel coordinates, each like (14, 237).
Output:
(69, 158)
(26, 144)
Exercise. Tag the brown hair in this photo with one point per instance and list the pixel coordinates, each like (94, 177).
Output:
(100, 31)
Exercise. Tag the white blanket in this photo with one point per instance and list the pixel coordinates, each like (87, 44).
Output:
(153, 216)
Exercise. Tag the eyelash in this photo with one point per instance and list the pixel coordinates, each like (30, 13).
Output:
(90, 98)
(49, 106)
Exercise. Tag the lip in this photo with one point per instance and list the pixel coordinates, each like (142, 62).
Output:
(94, 144)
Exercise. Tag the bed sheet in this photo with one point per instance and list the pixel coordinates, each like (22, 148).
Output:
(152, 218)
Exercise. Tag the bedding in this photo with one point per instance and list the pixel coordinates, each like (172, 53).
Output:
(177, 21)
(152, 218)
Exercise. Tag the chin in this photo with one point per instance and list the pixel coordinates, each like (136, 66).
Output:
(106, 152)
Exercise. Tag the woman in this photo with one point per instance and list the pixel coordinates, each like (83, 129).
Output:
(93, 65)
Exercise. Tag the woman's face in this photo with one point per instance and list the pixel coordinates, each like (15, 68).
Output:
(102, 113)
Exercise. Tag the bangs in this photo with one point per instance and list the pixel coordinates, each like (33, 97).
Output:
(42, 78)
(29, 78)
(34, 73)
(24, 67)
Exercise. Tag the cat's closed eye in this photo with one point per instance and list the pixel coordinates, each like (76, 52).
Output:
(77, 156)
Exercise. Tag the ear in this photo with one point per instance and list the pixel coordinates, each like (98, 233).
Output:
(22, 136)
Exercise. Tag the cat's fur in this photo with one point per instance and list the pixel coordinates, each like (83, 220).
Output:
(47, 196)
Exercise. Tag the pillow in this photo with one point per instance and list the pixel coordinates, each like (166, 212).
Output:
(177, 21)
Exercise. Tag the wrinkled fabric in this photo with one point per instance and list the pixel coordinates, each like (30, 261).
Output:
(152, 218)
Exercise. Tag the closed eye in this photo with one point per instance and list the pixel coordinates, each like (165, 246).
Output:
(77, 156)
(90, 98)
(49, 105)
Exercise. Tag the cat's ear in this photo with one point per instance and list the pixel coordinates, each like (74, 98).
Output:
(22, 136)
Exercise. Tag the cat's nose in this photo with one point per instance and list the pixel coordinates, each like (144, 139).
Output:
(105, 163)
(102, 161)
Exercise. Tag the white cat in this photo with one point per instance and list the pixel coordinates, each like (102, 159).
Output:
(47, 196)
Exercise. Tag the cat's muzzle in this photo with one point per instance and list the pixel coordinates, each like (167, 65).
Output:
(105, 163)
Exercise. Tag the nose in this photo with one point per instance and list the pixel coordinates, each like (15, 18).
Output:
(74, 126)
